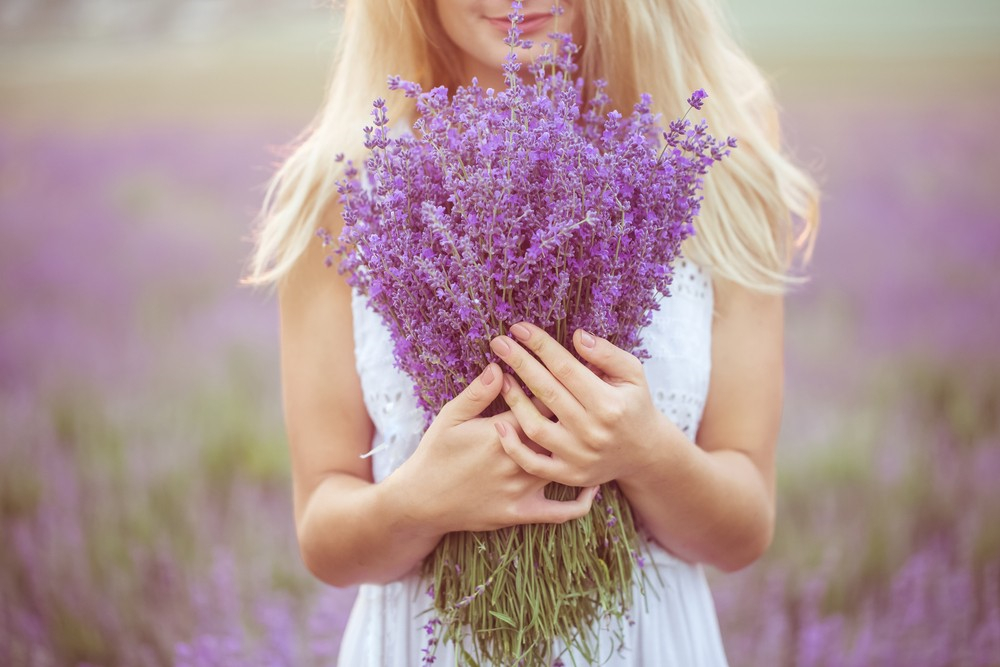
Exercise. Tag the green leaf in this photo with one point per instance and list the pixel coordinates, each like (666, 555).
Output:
(503, 617)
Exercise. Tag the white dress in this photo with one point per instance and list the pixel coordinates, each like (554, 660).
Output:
(677, 625)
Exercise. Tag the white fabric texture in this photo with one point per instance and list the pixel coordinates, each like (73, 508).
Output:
(676, 626)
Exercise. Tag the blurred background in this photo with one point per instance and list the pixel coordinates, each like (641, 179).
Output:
(145, 511)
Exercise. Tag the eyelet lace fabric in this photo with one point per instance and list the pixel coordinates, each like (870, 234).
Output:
(676, 625)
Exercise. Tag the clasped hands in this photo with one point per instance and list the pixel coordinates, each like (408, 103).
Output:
(603, 423)
(582, 428)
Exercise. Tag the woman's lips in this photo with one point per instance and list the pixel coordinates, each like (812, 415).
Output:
(530, 24)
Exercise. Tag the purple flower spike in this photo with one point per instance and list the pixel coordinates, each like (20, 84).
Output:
(508, 184)
(697, 99)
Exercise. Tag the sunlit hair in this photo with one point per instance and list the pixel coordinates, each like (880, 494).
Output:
(760, 211)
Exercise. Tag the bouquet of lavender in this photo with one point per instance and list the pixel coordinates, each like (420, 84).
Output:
(522, 204)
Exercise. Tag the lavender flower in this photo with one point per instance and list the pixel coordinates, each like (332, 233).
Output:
(697, 99)
(526, 204)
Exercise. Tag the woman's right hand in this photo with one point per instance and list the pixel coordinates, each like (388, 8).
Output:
(460, 478)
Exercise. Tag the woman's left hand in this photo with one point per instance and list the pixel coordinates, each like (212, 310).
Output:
(603, 422)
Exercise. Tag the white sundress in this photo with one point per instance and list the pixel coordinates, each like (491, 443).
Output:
(677, 624)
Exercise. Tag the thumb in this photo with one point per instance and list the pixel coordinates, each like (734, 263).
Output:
(476, 397)
(614, 362)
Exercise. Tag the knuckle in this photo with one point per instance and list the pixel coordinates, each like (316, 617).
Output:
(512, 398)
(471, 394)
(516, 361)
(534, 429)
(579, 478)
(547, 394)
(537, 343)
(531, 467)
(563, 371)
(611, 412)
(596, 438)
(566, 477)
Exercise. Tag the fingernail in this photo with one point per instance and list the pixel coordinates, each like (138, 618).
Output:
(501, 429)
(507, 385)
(500, 346)
(587, 339)
(520, 332)
(489, 376)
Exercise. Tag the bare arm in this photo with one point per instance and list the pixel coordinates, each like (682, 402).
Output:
(351, 530)
(348, 531)
(719, 504)
(712, 502)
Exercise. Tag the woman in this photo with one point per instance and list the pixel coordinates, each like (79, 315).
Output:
(689, 435)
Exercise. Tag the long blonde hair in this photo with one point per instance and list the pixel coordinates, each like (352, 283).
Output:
(760, 210)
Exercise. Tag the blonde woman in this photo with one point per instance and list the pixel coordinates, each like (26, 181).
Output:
(689, 435)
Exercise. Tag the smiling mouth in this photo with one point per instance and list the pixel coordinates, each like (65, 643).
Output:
(532, 23)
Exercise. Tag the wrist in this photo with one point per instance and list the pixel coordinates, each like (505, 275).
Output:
(663, 453)
(410, 513)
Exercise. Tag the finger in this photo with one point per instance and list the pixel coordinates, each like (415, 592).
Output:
(536, 427)
(614, 362)
(537, 464)
(582, 383)
(544, 510)
(510, 420)
(476, 397)
(542, 408)
(537, 377)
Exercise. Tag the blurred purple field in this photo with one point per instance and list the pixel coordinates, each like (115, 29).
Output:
(145, 513)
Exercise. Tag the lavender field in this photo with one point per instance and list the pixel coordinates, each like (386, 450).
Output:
(145, 514)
